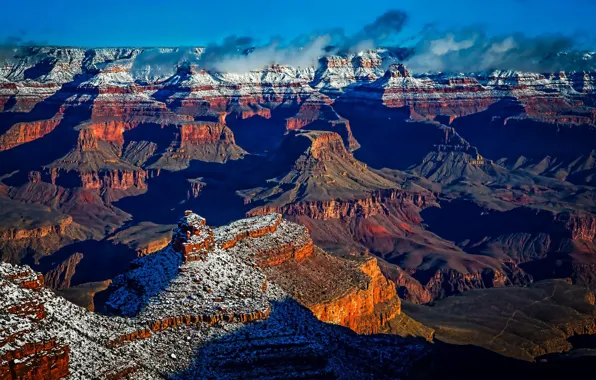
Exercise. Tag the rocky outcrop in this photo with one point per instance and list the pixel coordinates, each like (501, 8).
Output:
(317, 113)
(195, 187)
(42, 360)
(25, 132)
(94, 165)
(175, 306)
(426, 97)
(187, 320)
(580, 227)
(112, 130)
(23, 277)
(352, 293)
(340, 209)
(445, 283)
(60, 276)
(192, 238)
(24, 355)
(235, 232)
(133, 121)
(205, 133)
(326, 145)
(202, 141)
(297, 251)
(120, 90)
(408, 288)
(447, 96)
(365, 310)
(153, 246)
(36, 232)
(291, 245)
(115, 179)
(144, 238)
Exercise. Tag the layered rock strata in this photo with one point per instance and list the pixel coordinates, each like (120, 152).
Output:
(179, 317)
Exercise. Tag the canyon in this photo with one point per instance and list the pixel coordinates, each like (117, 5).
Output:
(369, 196)
(208, 287)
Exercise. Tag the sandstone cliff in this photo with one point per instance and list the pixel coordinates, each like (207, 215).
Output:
(174, 301)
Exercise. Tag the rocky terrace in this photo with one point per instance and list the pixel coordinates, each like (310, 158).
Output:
(160, 291)
(168, 310)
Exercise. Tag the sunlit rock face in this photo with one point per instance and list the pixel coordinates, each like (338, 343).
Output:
(204, 290)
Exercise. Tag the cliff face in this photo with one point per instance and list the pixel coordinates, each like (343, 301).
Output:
(24, 355)
(449, 97)
(112, 130)
(195, 187)
(167, 298)
(338, 209)
(445, 283)
(38, 232)
(25, 132)
(205, 133)
(59, 277)
(317, 113)
(408, 288)
(367, 310)
(363, 299)
(347, 292)
(118, 180)
(33, 230)
(360, 79)
(580, 227)
(389, 224)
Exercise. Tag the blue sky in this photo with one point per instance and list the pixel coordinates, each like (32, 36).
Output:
(186, 22)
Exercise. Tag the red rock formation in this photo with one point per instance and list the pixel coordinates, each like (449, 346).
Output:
(317, 113)
(187, 320)
(204, 133)
(112, 130)
(153, 246)
(60, 276)
(366, 310)
(449, 282)
(25, 132)
(244, 229)
(193, 238)
(325, 145)
(408, 288)
(93, 164)
(339, 209)
(201, 140)
(195, 189)
(32, 309)
(26, 278)
(37, 232)
(114, 179)
(24, 354)
(87, 140)
(283, 253)
(39, 360)
(257, 111)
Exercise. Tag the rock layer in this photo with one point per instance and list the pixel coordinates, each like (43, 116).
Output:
(174, 314)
